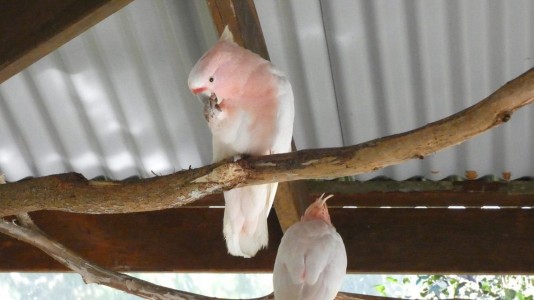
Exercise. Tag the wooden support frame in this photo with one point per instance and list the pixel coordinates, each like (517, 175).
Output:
(242, 18)
(410, 194)
(161, 241)
(431, 194)
(378, 240)
(442, 241)
(30, 30)
(433, 240)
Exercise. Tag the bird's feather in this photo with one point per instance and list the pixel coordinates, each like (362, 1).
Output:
(311, 262)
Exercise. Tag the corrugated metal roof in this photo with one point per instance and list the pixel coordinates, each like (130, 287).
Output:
(114, 101)
(393, 66)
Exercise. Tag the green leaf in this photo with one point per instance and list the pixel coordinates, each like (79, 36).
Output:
(509, 294)
(484, 286)
(424, 293)
(406, 280)
(437, 277)
(458, 287)
(421, 278)
(391, 279)
(381, 289)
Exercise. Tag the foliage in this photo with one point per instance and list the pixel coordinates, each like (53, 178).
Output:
(508, 287)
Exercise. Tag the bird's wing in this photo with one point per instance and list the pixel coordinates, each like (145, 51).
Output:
(326, 267)
(285, 115)
(284, 286)
(289, 268)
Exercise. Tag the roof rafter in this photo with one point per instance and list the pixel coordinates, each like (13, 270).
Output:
(378, 240)
(32, 29)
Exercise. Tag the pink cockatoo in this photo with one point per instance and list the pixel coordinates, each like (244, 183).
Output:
(311, 261)
(249, 109)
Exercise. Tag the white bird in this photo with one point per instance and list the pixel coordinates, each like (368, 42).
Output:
(311, 261)
(249, 109)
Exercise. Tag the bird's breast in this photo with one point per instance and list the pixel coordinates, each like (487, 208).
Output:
(246, 125)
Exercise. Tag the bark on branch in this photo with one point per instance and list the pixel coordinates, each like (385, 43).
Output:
(72, 192)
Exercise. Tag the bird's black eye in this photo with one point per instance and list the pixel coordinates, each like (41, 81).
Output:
(211, 79)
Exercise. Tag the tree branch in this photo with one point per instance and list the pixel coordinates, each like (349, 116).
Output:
(72, 192)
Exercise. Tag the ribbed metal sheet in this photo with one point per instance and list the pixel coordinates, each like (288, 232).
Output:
(392, 66)
(114, 101)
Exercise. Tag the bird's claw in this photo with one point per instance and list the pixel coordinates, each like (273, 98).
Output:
(239, 157)
(214, 102)
(211, 107)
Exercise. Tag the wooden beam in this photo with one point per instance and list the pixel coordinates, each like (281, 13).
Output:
(31, 29)
(438, 241)
(242, 18)
(289, 203)
(409, 194)
(177, 240)
(377, 241)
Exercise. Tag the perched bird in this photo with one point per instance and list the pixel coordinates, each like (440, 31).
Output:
(249, 107)
(311, 261)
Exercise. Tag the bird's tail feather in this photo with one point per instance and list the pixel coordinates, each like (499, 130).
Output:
(245, 218)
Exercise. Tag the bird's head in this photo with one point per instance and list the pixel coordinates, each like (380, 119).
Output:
(211, 76)
(318, 210)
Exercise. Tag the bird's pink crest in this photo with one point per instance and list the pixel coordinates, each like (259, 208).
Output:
(318, 210)
(227, 35)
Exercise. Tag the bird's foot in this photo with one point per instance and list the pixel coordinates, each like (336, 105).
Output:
(239, 157)
(211, 107)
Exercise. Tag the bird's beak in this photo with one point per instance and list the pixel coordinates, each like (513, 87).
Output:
(199, 90)
(203, 94)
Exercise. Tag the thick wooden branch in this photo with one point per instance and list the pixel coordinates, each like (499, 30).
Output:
(72, 192)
